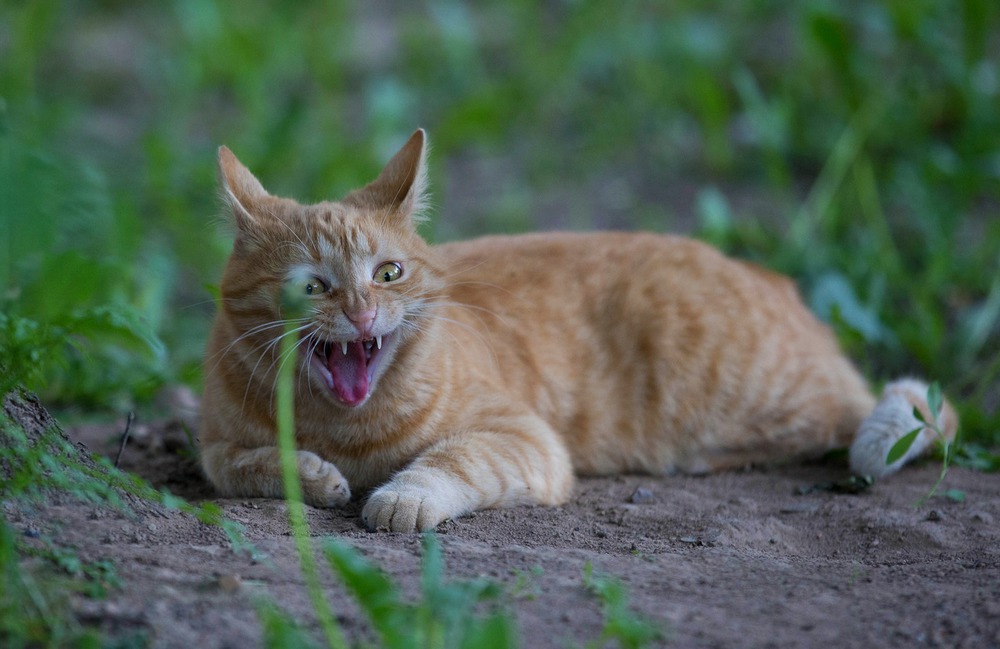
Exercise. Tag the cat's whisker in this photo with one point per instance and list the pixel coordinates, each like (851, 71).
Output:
(280, 361)
(461, 271)
(268, 349)
(490, 285)
(314, 344)
(444, 302)
(427, 315)
(435, 298)
(438, 302)
(218, 356)
(431, 332)
(260, 328)
(467, 269)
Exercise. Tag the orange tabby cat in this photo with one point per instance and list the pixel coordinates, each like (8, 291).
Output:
(486, 373)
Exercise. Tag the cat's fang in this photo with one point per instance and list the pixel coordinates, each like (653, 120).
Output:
(343, 347)
(378, 341)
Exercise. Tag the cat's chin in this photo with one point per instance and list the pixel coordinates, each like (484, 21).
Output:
(349, 369)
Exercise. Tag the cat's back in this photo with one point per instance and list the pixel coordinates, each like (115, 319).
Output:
(585, 266)
(668, 296)
(637, 332)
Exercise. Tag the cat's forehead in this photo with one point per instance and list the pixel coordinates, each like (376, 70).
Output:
(338, 231)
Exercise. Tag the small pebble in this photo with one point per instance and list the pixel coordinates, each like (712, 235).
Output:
(933, 515)
(642, 496)
(982, 517)
(230, 583)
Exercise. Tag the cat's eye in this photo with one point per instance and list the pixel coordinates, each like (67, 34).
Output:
(315, 287)
(388, 272)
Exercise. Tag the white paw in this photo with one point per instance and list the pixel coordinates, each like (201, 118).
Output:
(322, 483)
(403, 509)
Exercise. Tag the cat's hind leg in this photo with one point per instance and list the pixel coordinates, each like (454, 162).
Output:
(510, 461)
(256, 472)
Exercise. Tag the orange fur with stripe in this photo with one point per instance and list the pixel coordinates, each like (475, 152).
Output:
(487, 373)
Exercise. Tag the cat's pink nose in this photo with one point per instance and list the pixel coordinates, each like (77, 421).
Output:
(363, 321)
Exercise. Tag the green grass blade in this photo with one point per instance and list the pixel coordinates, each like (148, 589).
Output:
(293, 490)
(375, 592)
(280, 629)
(432, 567)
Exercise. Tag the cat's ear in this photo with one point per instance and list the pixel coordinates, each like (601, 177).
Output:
(401, 189)
(241, 190)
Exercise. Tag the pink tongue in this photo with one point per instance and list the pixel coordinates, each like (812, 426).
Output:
(350, 372)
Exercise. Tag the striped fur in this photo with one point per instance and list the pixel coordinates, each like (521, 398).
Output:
(509, 364)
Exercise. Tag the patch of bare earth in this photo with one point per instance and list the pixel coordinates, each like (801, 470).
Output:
(736, 559)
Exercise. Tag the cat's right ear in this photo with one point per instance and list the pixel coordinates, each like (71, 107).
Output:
(241, 191)
(401, 188)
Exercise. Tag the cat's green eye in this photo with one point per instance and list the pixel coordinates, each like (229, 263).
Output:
(388, 272)
(315, 287)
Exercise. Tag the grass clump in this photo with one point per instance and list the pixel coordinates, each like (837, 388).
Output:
(621, 624)
(34, 611)
(38, 575)
(447, 613)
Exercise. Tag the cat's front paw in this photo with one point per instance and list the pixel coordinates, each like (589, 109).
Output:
(395, 509)
(322, 483)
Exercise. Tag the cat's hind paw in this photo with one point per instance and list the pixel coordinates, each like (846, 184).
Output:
(390, 509)
(322, 483)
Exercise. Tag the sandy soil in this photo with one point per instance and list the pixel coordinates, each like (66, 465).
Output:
(738, 559)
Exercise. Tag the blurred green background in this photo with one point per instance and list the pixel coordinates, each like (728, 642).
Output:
(852, 144)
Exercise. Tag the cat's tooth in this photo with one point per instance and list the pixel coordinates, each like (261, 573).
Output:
(378, 341)
(343, 347)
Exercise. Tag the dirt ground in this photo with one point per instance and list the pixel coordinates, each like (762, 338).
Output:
(740, 559)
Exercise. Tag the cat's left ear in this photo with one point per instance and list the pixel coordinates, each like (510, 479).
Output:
(401, 189)
(242, 191)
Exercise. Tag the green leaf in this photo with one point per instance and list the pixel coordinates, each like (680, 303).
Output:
(496, 632)
(902, 445)
(918, 415)
(281, 629)
(834, 299)
(955, 495)
(934, 400)
(375, 592)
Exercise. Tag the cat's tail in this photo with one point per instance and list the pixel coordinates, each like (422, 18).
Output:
(892, 420)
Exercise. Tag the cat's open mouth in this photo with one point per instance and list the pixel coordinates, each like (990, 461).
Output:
(348, 367)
